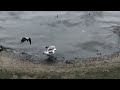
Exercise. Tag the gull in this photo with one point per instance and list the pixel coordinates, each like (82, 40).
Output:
(50, 50)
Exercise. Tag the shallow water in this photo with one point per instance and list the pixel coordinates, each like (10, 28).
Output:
(75, 34)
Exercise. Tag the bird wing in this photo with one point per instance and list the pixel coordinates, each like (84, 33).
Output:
(23, 40)
(30, 40)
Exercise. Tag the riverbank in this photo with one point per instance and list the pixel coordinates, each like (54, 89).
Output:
(12, 68)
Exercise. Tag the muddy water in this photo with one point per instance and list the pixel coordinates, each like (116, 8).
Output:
(75, 34)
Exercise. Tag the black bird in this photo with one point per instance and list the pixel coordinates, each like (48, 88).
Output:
(26, 39)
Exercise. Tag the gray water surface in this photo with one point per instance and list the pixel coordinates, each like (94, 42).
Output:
(74, 33)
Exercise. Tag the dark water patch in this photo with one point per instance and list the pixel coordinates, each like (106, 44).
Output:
(116, 30)
(69, 24)
(53, 59)
(90, 46)
(54, 24)
(1, 27)
(15, 15)
(88, 19)
(97, 13)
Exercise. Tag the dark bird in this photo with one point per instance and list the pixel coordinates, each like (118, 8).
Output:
(26, 39)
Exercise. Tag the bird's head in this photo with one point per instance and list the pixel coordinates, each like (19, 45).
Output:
(46, 47)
